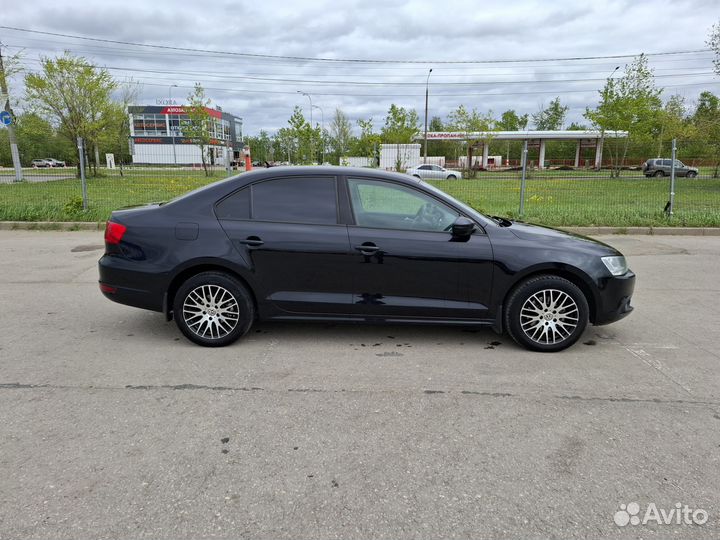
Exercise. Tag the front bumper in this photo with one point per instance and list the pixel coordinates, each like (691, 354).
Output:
(614, 301)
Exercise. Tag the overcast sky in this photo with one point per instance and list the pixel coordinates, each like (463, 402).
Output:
(433, 33)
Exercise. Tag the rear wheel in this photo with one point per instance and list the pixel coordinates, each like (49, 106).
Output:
(213, 309)
(546, 313)
(659, 173)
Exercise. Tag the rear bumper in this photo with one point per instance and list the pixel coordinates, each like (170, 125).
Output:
(615, 299)
(123, 284)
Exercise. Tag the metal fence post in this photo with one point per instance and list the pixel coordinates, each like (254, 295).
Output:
(672, 179)
(82, 173)
(522, 181)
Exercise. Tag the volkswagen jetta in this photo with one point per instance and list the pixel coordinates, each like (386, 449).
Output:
(355, 245)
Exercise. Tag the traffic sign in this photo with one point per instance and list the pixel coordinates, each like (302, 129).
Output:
(5, 118)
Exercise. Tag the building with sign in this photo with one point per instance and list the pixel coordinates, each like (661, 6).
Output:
(156, 137)
(481, 141)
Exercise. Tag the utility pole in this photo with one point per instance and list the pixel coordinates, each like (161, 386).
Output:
(10, 127)
(312, 145)
(427, 92)
(322, 130)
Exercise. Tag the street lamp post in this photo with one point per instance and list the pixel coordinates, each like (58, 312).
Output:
(427, 91)
(322, 129)
(312, 146)
(172, 131)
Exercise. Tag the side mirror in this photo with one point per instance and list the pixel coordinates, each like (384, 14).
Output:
(462, 227)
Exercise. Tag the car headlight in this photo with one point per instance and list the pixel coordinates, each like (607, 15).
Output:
(616, 265)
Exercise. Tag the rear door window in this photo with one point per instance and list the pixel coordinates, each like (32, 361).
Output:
(296, 200)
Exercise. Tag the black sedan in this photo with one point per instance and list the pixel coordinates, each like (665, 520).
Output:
(355, 245)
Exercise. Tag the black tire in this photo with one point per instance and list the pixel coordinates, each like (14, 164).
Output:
(658, 174)
(200, 319)
(452, 177)
(546, 286)
(691, 174)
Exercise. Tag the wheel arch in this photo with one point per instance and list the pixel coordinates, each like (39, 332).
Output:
(197, 267)
(574, 275)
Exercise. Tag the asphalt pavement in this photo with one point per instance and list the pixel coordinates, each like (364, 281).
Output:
(113, 425)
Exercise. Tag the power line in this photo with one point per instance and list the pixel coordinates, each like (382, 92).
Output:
(343, 60)
(232, 62)
(315, 82)
(418, 95)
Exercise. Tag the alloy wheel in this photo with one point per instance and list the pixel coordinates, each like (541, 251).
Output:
(211, 311)
(549, 316)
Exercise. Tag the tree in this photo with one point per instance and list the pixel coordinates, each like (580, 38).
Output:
(367, 144)
(261, 146)
(510, 121)
(401, 127)
(629, 103)
(340, 135)
(308, 140)
(552, 117)
(713, 41)
(471, 121)
(197, 125)
(116, 134)
(73, 94)
(706, 120)
(672, 122)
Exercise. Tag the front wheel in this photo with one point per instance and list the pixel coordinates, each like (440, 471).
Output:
(546, 314)
(691, 174)
(452, 177)
(213, 309)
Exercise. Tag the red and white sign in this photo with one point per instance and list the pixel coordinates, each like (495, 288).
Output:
(181, 110)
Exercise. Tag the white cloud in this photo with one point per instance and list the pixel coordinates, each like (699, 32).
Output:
(419, 30)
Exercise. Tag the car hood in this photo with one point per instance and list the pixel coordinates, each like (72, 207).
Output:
(541, 234)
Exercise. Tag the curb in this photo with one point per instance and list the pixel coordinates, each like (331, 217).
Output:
(588, 231)
(51, 226)
(648, 231)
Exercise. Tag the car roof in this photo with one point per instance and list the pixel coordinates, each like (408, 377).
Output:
(222, 187)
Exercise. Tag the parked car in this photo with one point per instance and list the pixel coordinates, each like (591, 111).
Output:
(355, 245)
(40, 163)
(662, 167)
(55, 162)
(434, 172)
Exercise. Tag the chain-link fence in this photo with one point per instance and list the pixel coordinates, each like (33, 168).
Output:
(620, 193)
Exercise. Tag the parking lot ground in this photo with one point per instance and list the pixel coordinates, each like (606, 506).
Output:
(115, 426)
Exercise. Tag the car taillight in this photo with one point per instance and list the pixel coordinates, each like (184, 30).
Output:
(114, 232)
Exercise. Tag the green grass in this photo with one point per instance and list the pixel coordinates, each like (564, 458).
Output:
(570, 198)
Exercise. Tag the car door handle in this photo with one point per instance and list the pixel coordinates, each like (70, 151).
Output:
(252, 241)
(367, 248)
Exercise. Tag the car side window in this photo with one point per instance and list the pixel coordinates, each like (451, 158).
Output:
(295, 200)
(424, 167)
(236, 206)
(667, 162)
(386, 205)
(292, 200)
(436, 168)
